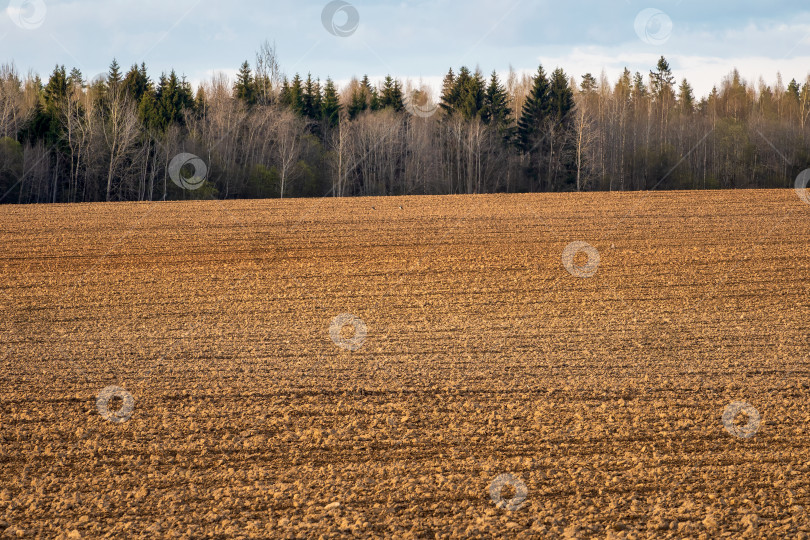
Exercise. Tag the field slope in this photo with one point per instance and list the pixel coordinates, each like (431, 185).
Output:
(476, 353)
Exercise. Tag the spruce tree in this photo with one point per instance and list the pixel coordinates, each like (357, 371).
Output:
(149, 114)
(317, 99)
(391, 95)
(330, 107)
(448, 99)
(686, 98)
(136, 82)
(49, 124)
(114, 77)
(200, 101)
(372, 96)
(358, 102)
(793, 90)
(469, 93)
(535, 111)
(560, 96)
(296, 95)
(496, 111)
(310, 99)
(284, 93)
(56, 90)
(457, 93)
(172, 97)
(245, 88)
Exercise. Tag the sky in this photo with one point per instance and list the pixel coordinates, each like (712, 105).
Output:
(420, 39)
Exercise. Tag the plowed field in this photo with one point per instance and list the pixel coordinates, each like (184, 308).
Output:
(472, 357)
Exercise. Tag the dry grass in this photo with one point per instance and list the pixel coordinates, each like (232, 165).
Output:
(482, 356)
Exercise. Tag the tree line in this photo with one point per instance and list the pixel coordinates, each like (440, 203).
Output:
(266, 135)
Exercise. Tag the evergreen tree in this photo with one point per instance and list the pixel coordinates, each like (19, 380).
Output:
(330, 108)
(448, 99)
(114, 77)
(245, 88)
(662, 81)
(358, 101)
(372, 95)
(686, 98)
(639, 90)
(76, 79)
(793, 90)
(462, 82)
(317, 99)
(49, 122)
(391, 95)
(496, 111)
(469, 92)
(536, 110)
(99, 87)
(172, 97)
(310, 99)
(200, 101)
(561, 97)
(136, 82)
(805, 95)
(149, 114)
(295, 95)
(588, 85)
(624, 87)
(38, 125)
(56, 90)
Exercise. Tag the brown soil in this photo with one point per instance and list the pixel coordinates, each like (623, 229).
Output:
(481, 356)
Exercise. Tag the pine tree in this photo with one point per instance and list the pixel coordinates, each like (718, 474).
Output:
(662, 81)
(639, 91)
(624, 87)
(588, 85)
(330, 108)
(536, 110)
(76, 79)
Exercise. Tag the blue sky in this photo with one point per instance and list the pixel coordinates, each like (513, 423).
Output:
(414, 39)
